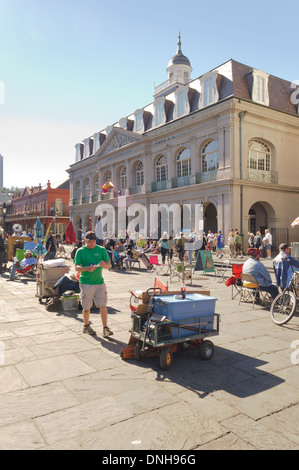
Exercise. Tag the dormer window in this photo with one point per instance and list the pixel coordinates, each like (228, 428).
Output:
(159, 113)
(260, 92)
(181, 100)
(209, 91)
(182, 103)
(138, 120)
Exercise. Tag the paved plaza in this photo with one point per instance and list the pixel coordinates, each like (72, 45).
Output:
(61, 389)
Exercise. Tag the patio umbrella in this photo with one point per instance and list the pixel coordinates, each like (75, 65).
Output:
(70, 236)
(295, 222)
(39, 249)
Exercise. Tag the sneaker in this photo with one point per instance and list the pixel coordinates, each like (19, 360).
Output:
(107, 332)
(88, 330)
(10, 279)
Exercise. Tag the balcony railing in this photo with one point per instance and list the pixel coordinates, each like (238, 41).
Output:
(159, 185)
(262, 176)
(85, 199)
(95, 197)
(76, 201)
(181, 181)
(206, 176)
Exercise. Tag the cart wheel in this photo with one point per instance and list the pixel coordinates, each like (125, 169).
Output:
(206, 350)
(165, 358)
(138, 354)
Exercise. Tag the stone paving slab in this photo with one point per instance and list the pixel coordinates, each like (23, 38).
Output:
(60, 389)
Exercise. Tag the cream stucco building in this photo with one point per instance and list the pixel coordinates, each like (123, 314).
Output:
(228, 139)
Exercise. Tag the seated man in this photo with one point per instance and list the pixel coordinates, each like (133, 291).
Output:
(29, 260)
(65, 283)
(283, 270)
(257, 269)
(132, 255)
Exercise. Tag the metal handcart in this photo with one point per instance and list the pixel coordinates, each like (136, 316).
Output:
(46, 277)
(154, 335)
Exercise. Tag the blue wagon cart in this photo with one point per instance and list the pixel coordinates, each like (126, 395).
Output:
(173, 323)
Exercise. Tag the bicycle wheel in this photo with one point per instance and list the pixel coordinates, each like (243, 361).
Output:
(283, 308)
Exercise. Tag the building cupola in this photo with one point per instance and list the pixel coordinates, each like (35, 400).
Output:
(179, 68)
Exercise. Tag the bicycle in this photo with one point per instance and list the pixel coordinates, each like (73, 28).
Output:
(284, 305)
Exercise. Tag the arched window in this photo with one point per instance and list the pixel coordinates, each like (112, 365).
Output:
(97, 184)
(161, 168)
(123, 178)
(86, 187)
(77, 190)
(107, 176)
(259, 155)
(139, 174)
(183, 163)
(210, 156)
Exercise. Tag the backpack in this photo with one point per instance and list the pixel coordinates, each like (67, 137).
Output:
(54, 304)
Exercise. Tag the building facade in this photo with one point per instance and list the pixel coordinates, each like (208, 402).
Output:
(228, 140)
(49, 204)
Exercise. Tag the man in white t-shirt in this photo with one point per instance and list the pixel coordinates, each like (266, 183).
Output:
(210, 239)
(267, 242)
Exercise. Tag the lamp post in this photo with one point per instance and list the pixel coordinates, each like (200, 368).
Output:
(4, 210)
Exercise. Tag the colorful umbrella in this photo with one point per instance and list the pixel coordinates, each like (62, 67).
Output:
(39, 249)
(38, 228)
(296, 222)
(70, 233)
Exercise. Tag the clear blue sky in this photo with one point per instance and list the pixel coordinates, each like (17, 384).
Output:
(71, 68)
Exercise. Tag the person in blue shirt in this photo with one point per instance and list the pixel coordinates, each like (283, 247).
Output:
(254, 266)
(220, 244)
(282, 266)
(28, 260)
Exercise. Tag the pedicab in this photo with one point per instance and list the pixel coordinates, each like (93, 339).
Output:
(169, 322)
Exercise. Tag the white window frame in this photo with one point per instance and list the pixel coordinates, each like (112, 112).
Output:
(183, 164)
(161, 168)
(209, 156)
(260, 91)
(159, 113)
(209, 92)
(139, 174)
(86, 187)
(107, 176)
(123, 178)
(259, 155)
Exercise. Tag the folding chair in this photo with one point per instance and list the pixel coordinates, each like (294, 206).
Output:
(156, 266)
(237, 284)
(221, 271)
(177, 270)
(62, 253)
(249, 293)
(29, 271)
(161, 285)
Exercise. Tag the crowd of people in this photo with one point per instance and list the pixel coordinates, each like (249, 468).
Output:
(91, 255)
